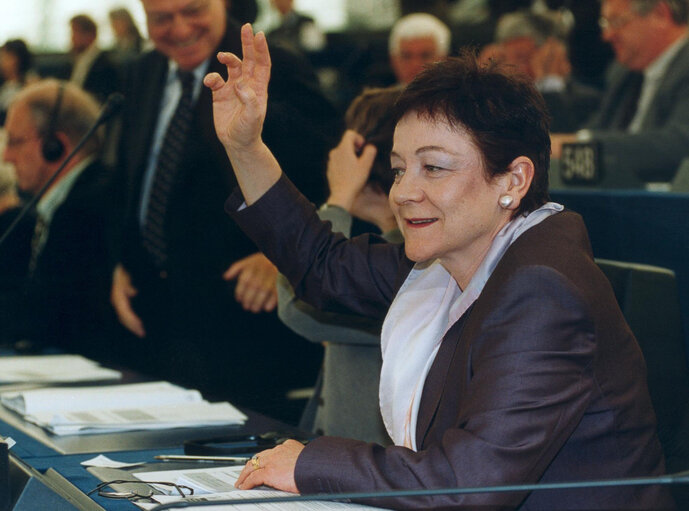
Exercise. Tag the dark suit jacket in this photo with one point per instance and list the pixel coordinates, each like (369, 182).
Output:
(288, 33)
(15, 253)
(655, 153)
(66, 303)
(540, 380)
(190, 315)
(103, 77)
(571, 107)
(299, 129)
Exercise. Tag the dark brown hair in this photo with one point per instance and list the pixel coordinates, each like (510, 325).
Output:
(371, 115)
(504, 115)
(84, 23)
(18, 48)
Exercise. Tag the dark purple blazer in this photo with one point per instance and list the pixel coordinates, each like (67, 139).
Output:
(541, 380)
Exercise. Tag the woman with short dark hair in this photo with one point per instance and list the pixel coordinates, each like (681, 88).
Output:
(16, 63)
(506, 358)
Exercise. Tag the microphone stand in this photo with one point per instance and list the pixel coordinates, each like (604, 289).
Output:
(112, 105)
(676, 478)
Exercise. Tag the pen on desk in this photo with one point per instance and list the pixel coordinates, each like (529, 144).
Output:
(208, 459)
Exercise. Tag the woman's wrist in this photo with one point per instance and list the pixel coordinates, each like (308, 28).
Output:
(256, 170)
(340, 201)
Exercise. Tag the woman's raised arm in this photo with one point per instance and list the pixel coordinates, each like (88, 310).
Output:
(239, 110)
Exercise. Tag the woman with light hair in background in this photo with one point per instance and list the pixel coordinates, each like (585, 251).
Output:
(128, 39)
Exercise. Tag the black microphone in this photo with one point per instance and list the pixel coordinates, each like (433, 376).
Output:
(111, 106)
(201, 501)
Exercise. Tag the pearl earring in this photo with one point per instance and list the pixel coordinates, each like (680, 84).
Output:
(505, 201)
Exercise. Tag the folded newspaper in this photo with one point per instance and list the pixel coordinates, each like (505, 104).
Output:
(114, 408)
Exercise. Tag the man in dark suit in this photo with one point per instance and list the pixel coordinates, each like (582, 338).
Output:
(531, 44)
(93, 69)
(170, 288)
(65, 301)
(642, 125)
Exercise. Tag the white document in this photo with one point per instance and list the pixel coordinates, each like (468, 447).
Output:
(70, 399)
(217, 483)
(103, 461)
(302, 505)
(53, 369)
(113, 408)
(195, 414)
(202, 480)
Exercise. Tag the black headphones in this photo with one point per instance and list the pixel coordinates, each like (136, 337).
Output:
(52, 148)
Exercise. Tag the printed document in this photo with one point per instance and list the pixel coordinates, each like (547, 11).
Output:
(112, 408)
(217, 483)
(72, 399)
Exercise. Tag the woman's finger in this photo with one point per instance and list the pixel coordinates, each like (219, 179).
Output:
(248, 51)
(213, 81)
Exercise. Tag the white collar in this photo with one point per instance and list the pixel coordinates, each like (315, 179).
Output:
(657, 69)
(425, 308)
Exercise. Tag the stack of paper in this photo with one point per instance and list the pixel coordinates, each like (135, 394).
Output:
(110, 408)
(217, 483)
(53, 369)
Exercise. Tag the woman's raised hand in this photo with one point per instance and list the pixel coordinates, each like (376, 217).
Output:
(239, 104)
(239, 109)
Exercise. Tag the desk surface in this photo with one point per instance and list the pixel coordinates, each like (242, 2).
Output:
(46, 454)
(55, 461)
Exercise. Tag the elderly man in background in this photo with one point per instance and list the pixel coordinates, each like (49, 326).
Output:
(416, 40)
(65, 298)
(532, 44)
(642, 125)
(178, 252)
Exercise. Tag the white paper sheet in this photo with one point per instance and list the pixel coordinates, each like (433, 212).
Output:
(103, 461)
(303, 505)
(70, 399)
(217, 483)
(202, 480)
(114, 408)
(148, 418)
(53, 369)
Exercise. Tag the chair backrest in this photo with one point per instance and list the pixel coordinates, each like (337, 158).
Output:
(680, 183)
(649, 301)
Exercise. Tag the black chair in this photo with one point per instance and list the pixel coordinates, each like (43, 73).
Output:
(680, 183)
(649, 301)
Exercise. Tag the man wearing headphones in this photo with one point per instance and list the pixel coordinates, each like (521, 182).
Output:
(67, 285)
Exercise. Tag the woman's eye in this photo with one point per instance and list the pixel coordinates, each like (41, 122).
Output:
(432, 168)
(398, 172)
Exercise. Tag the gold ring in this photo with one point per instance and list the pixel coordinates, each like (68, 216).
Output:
(254, 462)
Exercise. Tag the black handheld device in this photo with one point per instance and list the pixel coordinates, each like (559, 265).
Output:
(239, 444)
